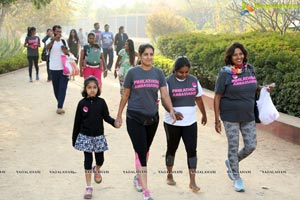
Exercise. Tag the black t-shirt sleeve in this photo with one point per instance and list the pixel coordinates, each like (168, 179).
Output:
(77, 123)
(45, 39)
(107, 118)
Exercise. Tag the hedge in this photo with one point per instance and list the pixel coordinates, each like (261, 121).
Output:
(275, 58)
(13, 63)
(165, 64)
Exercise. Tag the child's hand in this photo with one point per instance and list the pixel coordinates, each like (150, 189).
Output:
(117, 124)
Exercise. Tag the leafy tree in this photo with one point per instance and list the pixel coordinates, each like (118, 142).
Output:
(163, 21)
(274, 15)
(7, 5)
(57, 12)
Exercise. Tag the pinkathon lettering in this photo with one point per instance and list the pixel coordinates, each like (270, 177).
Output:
(244, 81)
(184, 92)
(146, 83)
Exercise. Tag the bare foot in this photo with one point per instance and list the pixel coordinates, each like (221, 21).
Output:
(194, 188)
(170, 180)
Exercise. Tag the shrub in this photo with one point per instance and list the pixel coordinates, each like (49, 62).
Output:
(10, 48)
(13, 63)
(275, 58)
(164, 64)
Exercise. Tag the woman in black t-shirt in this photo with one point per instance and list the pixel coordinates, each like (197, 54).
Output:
(234, 101)
(141, 87)
(32, 42)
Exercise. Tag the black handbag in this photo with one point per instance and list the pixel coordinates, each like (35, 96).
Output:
(256, 113)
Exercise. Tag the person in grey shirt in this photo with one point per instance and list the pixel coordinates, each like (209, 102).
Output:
(107, 39)
(141, 87)
(97, 33)
(234, 101)
(186, 95)
(32, 42)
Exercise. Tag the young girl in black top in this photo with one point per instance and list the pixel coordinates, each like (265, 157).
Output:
(88, 132)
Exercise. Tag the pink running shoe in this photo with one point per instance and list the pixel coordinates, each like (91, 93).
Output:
(146, 195)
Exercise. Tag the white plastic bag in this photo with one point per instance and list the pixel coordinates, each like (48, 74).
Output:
(266, 109)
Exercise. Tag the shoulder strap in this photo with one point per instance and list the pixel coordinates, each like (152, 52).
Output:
(64, 42)
(85, 48)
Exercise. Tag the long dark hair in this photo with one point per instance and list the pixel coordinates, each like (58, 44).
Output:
(131, 51)
(180, 62)
(86, 82)
(143, 47)
(30, 30)
(70, 36)
(230, 51)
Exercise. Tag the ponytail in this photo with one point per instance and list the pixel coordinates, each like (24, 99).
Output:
(30, 30)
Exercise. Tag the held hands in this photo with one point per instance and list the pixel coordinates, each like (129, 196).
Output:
(118, 122)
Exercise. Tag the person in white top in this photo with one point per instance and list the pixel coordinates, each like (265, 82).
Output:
(185, 92)
(59, 80)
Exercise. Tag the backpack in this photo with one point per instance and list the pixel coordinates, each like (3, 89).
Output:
(44, 54)
(92, 55)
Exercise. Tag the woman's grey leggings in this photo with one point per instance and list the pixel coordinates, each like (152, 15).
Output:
(248, 130)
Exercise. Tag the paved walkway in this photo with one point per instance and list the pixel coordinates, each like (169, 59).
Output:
(37, 160)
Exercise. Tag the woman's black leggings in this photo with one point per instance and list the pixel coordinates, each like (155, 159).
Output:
(33, 60)
(189, 137)
(141, 137)
(88, 159)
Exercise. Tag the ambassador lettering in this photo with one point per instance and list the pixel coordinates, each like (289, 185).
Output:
(146, 83)
(243, 81)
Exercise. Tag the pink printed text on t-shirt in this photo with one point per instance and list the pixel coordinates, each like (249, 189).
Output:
(244, 80)
(184, 92)
(146, 83)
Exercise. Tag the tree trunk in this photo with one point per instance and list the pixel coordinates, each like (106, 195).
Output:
(3, 12)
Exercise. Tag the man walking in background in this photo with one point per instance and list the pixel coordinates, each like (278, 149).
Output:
(59, 80)
(97, 33)
(107, 39)
(120, 39)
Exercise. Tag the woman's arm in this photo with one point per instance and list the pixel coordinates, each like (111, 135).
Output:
(39, 42)
(201, 107)
(26, 43)
(78, 47)
(122, 105)
(81, 62)
(166, 102)
(117, 66)
(104, 63)
(217, 99)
